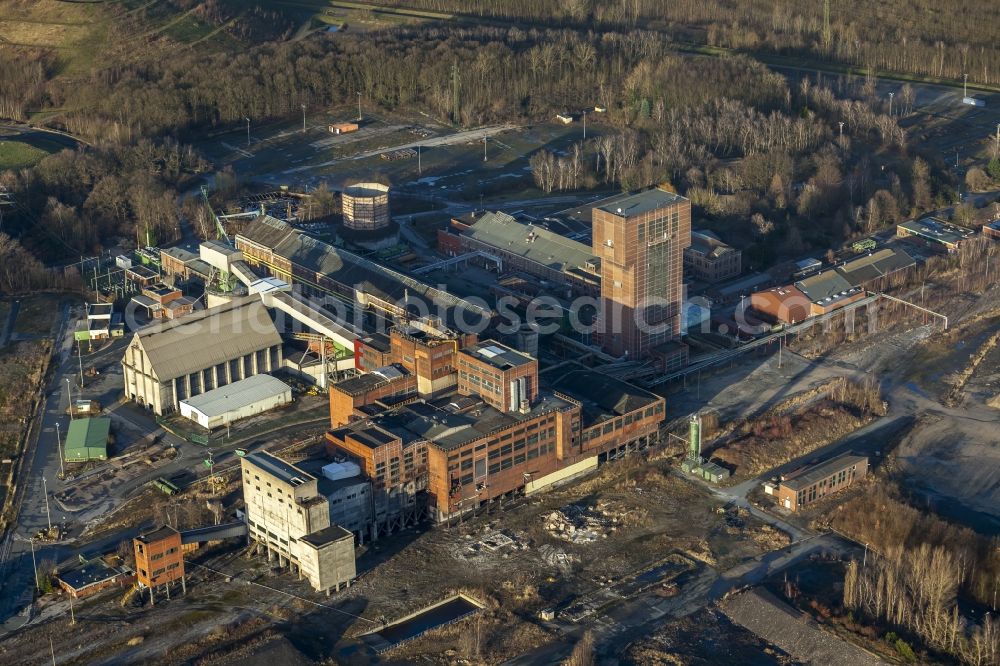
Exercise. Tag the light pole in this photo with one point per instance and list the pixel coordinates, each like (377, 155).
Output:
(45, 491)
(890, 102)
(965, 85)
(62, 469)
(34, 565)
(79, 358)
(69, 387)
(359, 106)
(484, 148)
(841, 123)
(247, 118)
(303, 118)
(585, 124)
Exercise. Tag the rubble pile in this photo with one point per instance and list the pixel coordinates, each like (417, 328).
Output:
(586, 524)
(491, 542)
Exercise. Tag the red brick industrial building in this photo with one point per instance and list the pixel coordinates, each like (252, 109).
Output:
(808, 485)
(503, 431)
(159, 560)
(640, 240)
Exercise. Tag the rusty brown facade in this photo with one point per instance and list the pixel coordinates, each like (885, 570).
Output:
(159, 559)
(478, 445)
(640, 240)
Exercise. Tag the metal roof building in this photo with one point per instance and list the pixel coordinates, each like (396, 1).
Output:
(935, 231)
(232, 402)
(880, 264)
(92, 576)
(533, 243)
(171, 361)
(87, 439)
(828, 290)
(318, 266)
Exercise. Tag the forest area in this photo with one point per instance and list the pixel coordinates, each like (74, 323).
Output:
(920, 569)
(923, 37)
(76, 201)
(765, 159)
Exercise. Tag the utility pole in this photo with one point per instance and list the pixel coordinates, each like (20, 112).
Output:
(455, 101)
(359, 106)
(62, 469)
(303, 118)
(52, 650)
(34, 565)
(247, 118)
(45, 491)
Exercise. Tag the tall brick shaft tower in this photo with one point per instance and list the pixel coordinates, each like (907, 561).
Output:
(640, 239)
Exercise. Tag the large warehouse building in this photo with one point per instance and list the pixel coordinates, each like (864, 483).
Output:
(232, 402)
(318, 268)
(528, 248)
(170, 362)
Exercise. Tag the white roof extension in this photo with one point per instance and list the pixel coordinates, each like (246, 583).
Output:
(237, 395)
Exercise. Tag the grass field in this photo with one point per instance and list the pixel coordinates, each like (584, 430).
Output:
(37, 315)
(79, 32)
(17, 154)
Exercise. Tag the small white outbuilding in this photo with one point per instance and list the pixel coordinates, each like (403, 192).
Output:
(226, 404)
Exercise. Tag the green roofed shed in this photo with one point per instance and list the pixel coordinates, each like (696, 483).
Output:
(87, 439)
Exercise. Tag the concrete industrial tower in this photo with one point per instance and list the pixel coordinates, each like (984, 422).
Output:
(640, 239)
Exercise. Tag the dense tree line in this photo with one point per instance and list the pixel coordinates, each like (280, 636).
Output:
(916, 590)
(23, 77)
(917, 567)
(21, 272)
(728, 131)
(74, 201)
(896, 525)
(776, 170)
(920, 36)
(502, 74)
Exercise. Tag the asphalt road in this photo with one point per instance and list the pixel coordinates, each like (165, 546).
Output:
(8, 324)
(16, 570)
(30, 134)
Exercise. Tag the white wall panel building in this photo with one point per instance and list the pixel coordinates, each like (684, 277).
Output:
(226, 404)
